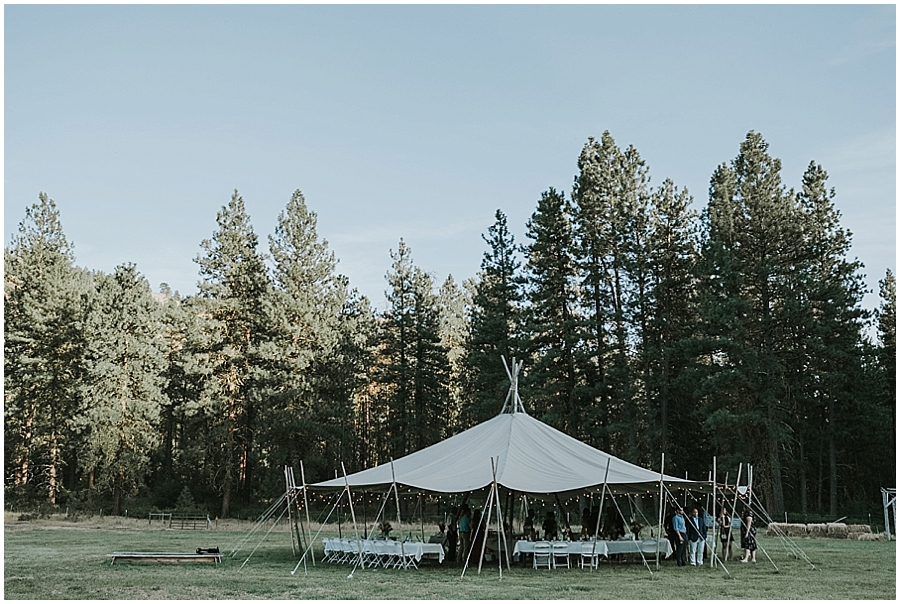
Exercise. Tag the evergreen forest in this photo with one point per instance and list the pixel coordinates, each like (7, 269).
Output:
(645, 326)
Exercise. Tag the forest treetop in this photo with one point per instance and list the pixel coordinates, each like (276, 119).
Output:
(645, 326)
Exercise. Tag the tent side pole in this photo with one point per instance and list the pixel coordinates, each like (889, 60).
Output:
(662, 505)
(600, 513)
(468, 554)
(501, 530)
(715, 526)
(422, 514)
(353, 516)
(485, 521)
(737, 484)
(397, 500)
(321, 527)
(306, 505)
(287, 490)
(340, 512)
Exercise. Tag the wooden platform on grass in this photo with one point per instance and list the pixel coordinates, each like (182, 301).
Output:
(164, 557)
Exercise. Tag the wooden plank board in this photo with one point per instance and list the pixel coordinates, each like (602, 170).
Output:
(164, 557)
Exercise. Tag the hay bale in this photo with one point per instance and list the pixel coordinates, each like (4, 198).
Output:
(775, 528)
(816, 531)
(872, 537)
(836, 530)
(788, 529)
(854, 535)
(859, 528)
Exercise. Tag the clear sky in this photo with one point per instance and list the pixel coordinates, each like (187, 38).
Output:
(420, 121)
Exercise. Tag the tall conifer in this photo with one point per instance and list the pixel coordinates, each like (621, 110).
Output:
(236, 289)
(496, 325)
(552, 325)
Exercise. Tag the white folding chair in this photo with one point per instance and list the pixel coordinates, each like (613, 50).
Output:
(590, 555)
(385, 554)
(349, 549)
(560, 554)
(370, 556)
(409, 555)
(328, 550)
(390, 551)
(542, 555)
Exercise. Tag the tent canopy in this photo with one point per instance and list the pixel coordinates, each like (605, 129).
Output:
(531, 457)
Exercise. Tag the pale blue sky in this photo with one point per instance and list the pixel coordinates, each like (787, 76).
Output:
(420, 121)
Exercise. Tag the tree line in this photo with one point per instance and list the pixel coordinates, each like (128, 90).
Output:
(646, 328)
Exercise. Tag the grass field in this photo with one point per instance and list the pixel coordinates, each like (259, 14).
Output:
(59, 559)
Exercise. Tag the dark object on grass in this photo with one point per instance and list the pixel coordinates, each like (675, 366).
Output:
(208, 550)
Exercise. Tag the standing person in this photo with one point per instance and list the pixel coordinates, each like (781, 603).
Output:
(550, 527)
(528, 525)
(680, 530)
(452, 534)
(696, 533)
(724, 521)
(465, 527)
(586, 527)
(748, 538)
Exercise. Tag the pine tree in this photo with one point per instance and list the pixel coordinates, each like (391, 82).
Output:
(45, 308)
(827, 322)
(454, 302)
(309, 299)
(887, 334)
(123, 383)
(753, 246)
(552, 324)
(414, 377)
(595, 196)
(236, 290)
(669, 320)
(610, 223)
(183, 376)
(496, 325)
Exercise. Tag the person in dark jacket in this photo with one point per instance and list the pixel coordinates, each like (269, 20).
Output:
(696, 533)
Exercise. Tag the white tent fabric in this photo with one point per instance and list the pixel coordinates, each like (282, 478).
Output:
(531, 457)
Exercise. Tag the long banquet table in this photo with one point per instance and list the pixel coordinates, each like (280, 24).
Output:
(416, 549)
(605, 548)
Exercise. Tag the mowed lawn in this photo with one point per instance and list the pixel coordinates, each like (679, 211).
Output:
(51, 560)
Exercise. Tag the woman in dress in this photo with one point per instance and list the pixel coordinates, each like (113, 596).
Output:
(748, 538)
(724, 521)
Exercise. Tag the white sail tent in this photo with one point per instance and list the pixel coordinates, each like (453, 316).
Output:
(530, 457)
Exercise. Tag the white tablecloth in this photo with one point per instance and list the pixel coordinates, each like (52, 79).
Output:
(427, 549)
(646, 546)
(605, 548)
(574, 547)
(416, 549)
